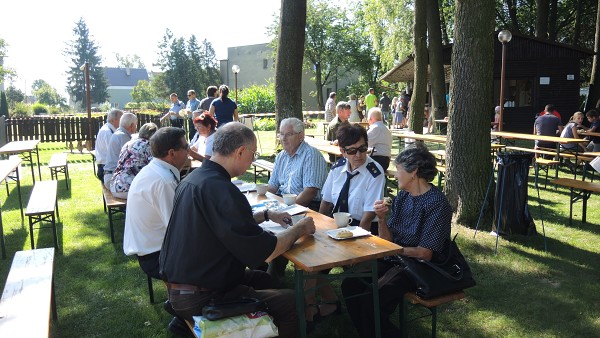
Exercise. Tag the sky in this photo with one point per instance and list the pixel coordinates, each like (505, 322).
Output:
(38, 31)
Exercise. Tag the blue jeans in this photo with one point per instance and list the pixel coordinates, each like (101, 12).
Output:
(255, 284)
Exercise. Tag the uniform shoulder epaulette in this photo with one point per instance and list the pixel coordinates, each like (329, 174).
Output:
(372, 168)
(339, 163)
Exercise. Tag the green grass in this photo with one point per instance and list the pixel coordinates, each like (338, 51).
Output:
(522, 291)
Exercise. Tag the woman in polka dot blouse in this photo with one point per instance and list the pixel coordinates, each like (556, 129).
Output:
(420, 223)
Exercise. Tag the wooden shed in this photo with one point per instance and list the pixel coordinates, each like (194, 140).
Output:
(538, 72)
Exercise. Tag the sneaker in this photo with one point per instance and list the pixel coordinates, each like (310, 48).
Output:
(179, 328)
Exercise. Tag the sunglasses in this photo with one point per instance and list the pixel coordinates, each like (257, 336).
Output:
(352, 151)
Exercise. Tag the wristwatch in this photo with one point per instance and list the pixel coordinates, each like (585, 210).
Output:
(266, 214)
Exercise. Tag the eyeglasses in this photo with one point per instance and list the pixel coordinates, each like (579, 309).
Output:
(190, 95)
(287, 135)
(352, 151)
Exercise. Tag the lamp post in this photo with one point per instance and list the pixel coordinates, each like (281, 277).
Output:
(504, 37)
(86, 69)
(235, 69)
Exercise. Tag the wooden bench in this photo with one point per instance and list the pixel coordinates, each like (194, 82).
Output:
(28, 296)
(261, 167)
(42, 206)
(58, 164)
(112, 206)
(585, 191)
(430, 304)
(190, 325)
(546, 163)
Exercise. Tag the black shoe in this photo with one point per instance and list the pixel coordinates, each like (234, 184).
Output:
(179, 328)
(570, 165)
(167, 306)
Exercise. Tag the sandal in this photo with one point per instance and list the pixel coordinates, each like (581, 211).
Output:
(338, 308)
(310, 324)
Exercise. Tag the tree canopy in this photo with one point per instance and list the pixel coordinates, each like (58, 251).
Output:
(80, 50)
(186, 65)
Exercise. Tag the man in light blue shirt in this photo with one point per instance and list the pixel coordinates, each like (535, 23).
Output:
(299, 169)
(127, 127)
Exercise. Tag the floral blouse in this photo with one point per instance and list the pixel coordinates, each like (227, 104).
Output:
(134, 155)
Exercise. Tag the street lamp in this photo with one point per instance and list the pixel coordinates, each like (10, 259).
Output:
(504, 37)
(235, 69)
(86, 69)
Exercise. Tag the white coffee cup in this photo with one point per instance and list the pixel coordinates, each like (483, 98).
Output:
(289, 199)
(297, 218)
(261, 188)
(342, 219)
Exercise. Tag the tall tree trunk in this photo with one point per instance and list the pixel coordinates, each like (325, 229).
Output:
(552, 24)
(445, 39)
(578, 18)
(439, 109)
(288, 65)
(512, 13)
(468, 164)
(417, 101)
(319, 85)
(541, 19)
(594, 91)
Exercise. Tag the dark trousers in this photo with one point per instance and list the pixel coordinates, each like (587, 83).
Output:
(149, 264)
(177, 123)
(360, 308)
(100, 172)
(255, 284)
(384, 161)
(191, 129)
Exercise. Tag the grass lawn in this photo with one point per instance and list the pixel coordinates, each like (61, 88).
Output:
(522, 291)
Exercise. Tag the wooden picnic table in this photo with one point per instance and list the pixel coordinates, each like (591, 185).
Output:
(320, 252)
(9, 171)
(324, 145)
(25, 150)
(588, 133)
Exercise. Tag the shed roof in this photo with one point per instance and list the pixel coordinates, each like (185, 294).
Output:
(522, 47)
(127, 77)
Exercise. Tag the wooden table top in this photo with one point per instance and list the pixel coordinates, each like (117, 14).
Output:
(319, 251)
(323, 145)
(8, 166)
(521, 136)
(19, 146)
(582, 185)
(420, 137)
(588, 133)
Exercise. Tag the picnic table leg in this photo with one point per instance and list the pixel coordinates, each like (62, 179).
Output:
(53, 302)
(586, 196)
(571, 208)
(37, 154)
(2, 237)
(375, 286)
(299, 286)
(18, 179)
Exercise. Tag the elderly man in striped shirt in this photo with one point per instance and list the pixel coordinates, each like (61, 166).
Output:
(299, 169)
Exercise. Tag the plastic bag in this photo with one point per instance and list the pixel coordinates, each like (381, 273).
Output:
(256, 325)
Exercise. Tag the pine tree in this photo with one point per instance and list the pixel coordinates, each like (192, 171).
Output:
(80, 50)
(3, 105)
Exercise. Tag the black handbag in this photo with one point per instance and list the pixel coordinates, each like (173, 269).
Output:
(231, 308)
(433, 279)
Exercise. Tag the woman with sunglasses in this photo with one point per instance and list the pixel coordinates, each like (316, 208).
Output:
(353, 185)
(206, 126)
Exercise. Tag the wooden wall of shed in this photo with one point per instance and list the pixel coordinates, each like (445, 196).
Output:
(563, 93)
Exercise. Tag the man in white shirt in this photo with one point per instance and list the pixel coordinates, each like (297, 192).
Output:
(104, 134)
(150, 203)
(150, 198)
(380, 138)
(127, 127)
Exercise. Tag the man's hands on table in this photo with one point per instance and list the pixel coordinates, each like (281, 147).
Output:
(286, 239)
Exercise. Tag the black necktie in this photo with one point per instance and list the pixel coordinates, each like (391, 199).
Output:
(342, 202)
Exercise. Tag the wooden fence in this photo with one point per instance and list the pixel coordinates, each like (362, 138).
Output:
(61, 128)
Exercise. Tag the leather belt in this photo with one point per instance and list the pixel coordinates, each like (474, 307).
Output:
(187, 287)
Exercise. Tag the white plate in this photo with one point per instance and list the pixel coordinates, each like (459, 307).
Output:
(356, 232)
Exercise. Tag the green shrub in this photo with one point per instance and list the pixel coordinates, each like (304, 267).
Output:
(39, 108)
(54, 110)
(21, 110)
(265, 124)
(257, 99)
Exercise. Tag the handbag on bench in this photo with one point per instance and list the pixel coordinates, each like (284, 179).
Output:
(433, 279)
